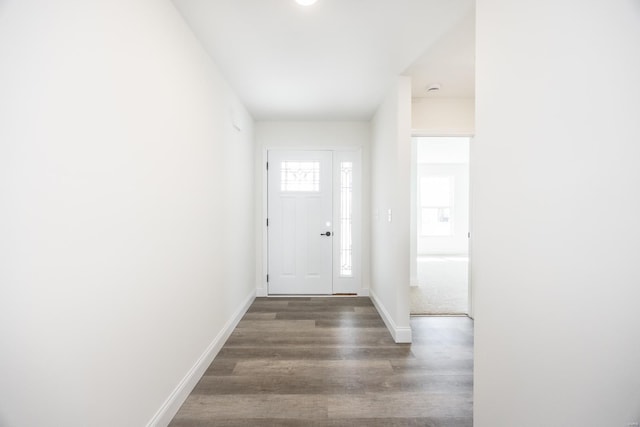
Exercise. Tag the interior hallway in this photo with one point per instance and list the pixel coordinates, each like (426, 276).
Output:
(332, 361)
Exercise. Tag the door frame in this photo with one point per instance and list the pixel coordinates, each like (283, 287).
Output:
(413, 219)
(352, 285)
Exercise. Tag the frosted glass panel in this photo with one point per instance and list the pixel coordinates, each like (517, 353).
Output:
(300, 176)
(346, 219)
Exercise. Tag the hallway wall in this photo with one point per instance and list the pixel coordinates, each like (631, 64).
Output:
(390, 171)
(443, 116)
(127, 209)
(555, 208)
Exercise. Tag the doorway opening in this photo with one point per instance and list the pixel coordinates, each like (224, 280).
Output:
(440, 226)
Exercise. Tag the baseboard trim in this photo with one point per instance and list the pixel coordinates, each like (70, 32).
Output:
(175, 400)
(262, 292)
(399, 334)
(363, 292)
(403, 335)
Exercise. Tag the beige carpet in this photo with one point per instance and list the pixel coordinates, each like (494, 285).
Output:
(443, 286)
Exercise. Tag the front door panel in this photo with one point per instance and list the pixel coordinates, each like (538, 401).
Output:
(300, 216)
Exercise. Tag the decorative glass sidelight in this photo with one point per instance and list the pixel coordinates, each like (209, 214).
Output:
(346, 219)
(300, 176)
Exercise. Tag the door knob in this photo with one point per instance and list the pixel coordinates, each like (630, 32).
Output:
(328, 233)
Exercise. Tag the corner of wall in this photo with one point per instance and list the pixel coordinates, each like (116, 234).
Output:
(400, 334)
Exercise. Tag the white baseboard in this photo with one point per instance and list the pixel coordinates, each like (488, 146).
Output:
(175, 400)
(363, 292)
(399, 334)
(403, 335)
(262, 292)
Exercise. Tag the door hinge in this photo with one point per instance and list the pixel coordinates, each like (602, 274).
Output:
(267, 165)
(267, 222)
(267, 278)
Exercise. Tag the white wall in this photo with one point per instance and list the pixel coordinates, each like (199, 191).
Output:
(124, 248)
(311, 135)
(390, 174)
(556, 277)
(443, 116)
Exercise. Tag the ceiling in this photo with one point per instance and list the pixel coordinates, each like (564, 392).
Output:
(336, 59)
(450, 62)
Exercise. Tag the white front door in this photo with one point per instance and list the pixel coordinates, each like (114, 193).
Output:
(300, 224)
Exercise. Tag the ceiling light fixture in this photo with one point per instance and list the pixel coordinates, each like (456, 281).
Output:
(306, 2)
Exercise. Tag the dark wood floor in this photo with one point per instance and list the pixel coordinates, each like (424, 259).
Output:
(332, 362)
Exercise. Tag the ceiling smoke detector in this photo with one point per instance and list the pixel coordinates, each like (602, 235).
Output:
(434, 87)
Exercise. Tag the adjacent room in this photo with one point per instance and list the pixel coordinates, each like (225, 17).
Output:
(212, 213)
(441, 226)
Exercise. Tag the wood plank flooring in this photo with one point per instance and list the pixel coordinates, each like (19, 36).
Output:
(332, 362)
